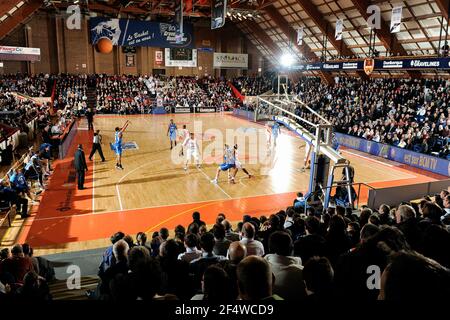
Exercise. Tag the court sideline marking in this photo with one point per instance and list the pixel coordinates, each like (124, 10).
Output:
(217, 184)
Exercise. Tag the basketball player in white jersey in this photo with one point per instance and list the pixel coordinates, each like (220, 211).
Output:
(184, 135)
(192, 150)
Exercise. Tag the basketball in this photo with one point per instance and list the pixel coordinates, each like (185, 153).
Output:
(104, 45)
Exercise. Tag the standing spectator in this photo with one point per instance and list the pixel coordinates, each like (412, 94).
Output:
(80, 166)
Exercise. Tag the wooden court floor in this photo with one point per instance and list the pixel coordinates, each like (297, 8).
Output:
(154, 191)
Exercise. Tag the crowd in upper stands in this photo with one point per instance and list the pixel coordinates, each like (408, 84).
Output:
(413, 114)
(31, 85)
(294, 254)
(253, 86)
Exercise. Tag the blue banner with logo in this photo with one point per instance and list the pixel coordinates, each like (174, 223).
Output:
(135, 33)
(380, 64)
(411, 158)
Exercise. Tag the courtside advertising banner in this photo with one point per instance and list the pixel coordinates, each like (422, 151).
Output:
(218, 13)
(230, 60)
(396, 19)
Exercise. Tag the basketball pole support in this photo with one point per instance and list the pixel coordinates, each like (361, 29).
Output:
(322, 178)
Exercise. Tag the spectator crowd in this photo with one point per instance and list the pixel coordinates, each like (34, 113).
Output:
(291, 255)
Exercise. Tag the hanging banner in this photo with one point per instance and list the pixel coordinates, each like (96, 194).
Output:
(179, 16)
(396, 19)
(339, 29)
(230, 60)
(136, 33)
(300, 36)
(218, 13)
(159, 57)
(369, 66)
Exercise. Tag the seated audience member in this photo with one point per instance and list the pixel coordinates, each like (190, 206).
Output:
(28, 253)
(338, 241)
(236, 253)
(351, 270)
(287, 270)
(191, 243)
(384, 213)
(229, 234)
(221, 243)
(17, 265)
(406, 221)
(446, 217)
(199, 265)
(216, 286)
(141, 282)
(368, 231)
(34, 289)
(255, 281)
(319, 279)
(141, 240)
(120, 252)
(175, 277)
(436, 244)
(254, 247)
(10, 195)
(108, 258)
(412, 277)
(164, 234)
(180, 234)
(312, 244)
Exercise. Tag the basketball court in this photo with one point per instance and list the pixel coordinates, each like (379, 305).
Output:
(154, 190)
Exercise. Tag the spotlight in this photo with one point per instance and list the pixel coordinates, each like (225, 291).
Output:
(287, 60)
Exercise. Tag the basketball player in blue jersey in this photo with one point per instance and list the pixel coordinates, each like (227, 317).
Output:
(118, 135)
(228, 164)
(276, 130)
(172, 133)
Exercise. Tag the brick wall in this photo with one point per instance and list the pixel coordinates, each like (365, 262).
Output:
(69, 51)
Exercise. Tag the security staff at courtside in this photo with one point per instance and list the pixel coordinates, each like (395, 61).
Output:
(97, 146)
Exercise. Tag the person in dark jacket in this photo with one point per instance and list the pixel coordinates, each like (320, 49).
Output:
(80, 166)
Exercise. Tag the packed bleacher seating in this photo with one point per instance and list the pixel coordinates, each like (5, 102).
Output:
(33, 86)
(411, 114)
(253, 86)
(312, 255)
(71, 92)
(124, 94)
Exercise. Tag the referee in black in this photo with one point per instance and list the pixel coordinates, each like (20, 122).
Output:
(97, 146)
